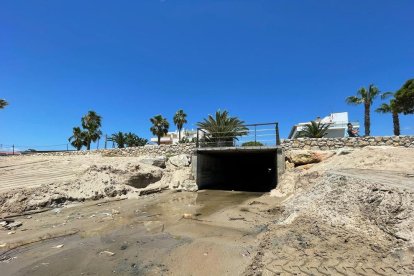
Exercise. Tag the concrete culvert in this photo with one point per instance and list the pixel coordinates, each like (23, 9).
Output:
(239, 169)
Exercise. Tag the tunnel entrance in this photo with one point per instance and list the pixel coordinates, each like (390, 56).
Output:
(237, 169)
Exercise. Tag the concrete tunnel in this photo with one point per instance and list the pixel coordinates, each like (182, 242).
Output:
(240, 169)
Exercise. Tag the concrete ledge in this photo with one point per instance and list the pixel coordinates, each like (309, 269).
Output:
(238, 149)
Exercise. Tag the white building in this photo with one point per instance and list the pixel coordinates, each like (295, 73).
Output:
(337, 125)
(173, 137)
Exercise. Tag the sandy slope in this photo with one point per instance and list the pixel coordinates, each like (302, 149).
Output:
(30, 182)
(352, 214)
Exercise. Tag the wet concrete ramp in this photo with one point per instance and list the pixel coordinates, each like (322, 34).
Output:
(239, 169)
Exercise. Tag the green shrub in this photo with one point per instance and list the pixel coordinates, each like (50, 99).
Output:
(252, 144)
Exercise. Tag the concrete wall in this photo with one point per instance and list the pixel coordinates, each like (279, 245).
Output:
(349, 142)
(335, 133)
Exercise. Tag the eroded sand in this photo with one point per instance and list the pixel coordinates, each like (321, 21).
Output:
(349, 215)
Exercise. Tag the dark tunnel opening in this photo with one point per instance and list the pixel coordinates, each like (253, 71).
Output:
(253, 171)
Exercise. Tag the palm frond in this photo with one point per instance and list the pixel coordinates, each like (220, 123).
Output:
(223, 128)
(354, 100)
(384, 108)
(315, 130)
(386, 95)
(3, 103)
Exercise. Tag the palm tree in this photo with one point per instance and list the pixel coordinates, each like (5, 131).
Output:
(133, 140)
(392, 108)
(92, 123)
(314, 130)
(3, 103)
(159, 127)
(223, 129)
(77, 140)
(119, 138)
(179, 121)
(405, 97)
(366, 97)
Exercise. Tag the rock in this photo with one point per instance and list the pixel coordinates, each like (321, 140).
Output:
(189, 186)
(344, 151)
(179, 160)
(187, 216)
(58, 246)
(107, 253)
(289, 166)
(304, 157)
(14, 225)
(57, 210)
(158, 161)
(179, 176)
(144, 177)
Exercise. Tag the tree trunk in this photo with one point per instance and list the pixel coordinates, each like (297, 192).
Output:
(396, 121)
(367, 122)
(179, 134)
(159, 140)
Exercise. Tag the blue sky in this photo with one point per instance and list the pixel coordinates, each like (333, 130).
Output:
(264, 61)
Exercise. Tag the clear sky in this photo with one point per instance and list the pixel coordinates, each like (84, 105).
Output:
(262, 60)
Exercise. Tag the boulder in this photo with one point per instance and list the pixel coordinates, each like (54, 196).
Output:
(189, 186)
(177, 177)
(143, 179)
(158, 161)
(304, 157)
(179, 160)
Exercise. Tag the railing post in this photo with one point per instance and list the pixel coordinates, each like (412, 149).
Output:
(277, 135)
(255, 135)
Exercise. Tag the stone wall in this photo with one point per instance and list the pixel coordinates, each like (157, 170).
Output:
(167, 150)
(348, 142)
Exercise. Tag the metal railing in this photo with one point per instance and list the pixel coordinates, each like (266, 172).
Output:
(17, 149)
(265, 134)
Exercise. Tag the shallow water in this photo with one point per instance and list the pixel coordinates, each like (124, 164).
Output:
(148, 236)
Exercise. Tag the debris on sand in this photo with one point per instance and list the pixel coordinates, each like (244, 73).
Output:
(107, 253)
(187, 216)
(11, 225)
(239, 218)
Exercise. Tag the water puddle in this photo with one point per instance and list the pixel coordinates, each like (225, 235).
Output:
(144, 236)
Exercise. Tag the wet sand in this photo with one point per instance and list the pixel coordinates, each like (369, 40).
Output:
(147, 236)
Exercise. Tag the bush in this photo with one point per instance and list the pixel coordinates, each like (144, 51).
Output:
(252, 144)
